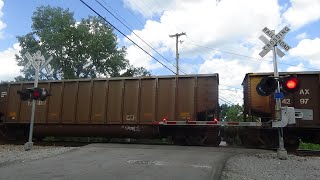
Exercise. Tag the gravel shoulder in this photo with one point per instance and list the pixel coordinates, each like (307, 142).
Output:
(268, 166)
(10, 154)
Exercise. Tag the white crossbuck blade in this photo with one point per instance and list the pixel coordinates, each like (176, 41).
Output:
(31, 60)
(276, 39)
(42, 63)
(265, 40)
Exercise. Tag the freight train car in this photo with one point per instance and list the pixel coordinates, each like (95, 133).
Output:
(305, 100)
(116, 107)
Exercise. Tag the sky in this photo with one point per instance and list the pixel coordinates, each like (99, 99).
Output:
(222, 36)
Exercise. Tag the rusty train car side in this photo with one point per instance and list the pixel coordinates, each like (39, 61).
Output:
(114, 107)
(306, 101)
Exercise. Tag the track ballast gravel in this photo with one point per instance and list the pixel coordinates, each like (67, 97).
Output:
(268, 166)
(10, 154)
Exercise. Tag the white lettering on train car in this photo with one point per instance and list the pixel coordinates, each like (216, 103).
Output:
(286, 101)
(131, 128)
(304, 101)
(304, 91)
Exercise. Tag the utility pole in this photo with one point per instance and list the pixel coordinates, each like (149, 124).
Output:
(177, 35)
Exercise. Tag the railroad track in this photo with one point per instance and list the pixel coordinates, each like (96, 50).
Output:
(307, 152)
(77, 143)
(49, 143)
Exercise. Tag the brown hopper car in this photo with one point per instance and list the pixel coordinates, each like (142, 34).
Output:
(306, 101)
(114, 107)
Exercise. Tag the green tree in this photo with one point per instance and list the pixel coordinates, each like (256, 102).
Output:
(231, 113)
(235, 113)
(223, 111)
(85, 49)
(134, 71)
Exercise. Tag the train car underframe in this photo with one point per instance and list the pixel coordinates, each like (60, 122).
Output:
(254, 137)
(181, 135)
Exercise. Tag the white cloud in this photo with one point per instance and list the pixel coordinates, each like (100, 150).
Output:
(2, 24)
(308, 49)
(222, 25)
(232, 72)
(188, 68)
(301, 36)
(302, 12)
(9, 68)
(214, 29)
(229, 95)
(139, 58)
(299, 67)
(148, 8)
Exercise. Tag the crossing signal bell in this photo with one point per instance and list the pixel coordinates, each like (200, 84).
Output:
(33, 94)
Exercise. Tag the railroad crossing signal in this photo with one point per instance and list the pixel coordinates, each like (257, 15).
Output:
(31, 94)
(276, 39)
(268, 85)
(38, 62)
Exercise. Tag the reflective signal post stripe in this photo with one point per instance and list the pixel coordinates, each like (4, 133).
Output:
(208, 123)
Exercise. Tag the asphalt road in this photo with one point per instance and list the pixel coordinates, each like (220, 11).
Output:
(127, 161)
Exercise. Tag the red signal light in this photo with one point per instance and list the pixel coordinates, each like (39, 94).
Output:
(292, 83)
(36, 94)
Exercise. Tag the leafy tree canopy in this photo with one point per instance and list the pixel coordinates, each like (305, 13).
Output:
(85, 49)
(231, 113)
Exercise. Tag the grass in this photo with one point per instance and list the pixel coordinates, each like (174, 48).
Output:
(309, 146)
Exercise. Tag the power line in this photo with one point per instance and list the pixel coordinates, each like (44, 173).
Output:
(236, 53)
(250, 57)
(231, 87)
(141, 23)
(222, 99)
(116, 13)
(149, 8)
(225, 101)
(138, 36)
(159, 5)
(126, 36)
(234, 91)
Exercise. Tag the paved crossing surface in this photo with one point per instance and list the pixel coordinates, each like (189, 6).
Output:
(127, 161)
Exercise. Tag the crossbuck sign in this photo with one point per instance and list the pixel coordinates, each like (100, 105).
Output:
(38, 62)
(276, 39)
